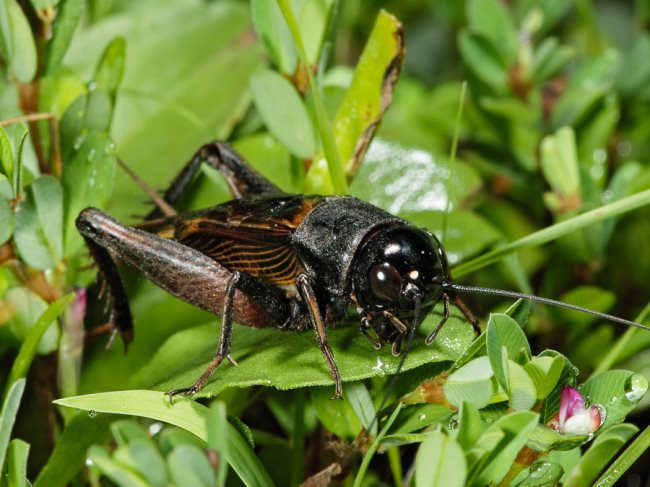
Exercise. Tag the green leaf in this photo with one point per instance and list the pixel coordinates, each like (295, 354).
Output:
(28, 348)
(559, 163)
(522, 390)
(126, 430)
(30, 236)
(68, 16)
(493, 20)
(110, 69)
(6, 154)
(471, 383)
(17, 454)
(283, 111)
(542, 474)
(186, 414)
(274, 32)
(314, 19)
(69, 453)
(88, 114)
(470, 425)
(26, 307)
(599, 455)
(17, 176)
(549, 59)
(8, 416)
(547, 439)
(618, 391)
(336, 416)
(517, 428)
(217, 429)
(545, 373)
(189, 466)
(626, 459)
(114, 470)
(505, 340)
(7, 222)
(484, 61)
(366, 100)
(87, 181)
(263, 360)
(142, 456)
(440, 461)
(48, 199)
(362, 405)
(20, 48)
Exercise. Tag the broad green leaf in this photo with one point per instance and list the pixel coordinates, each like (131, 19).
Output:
(505, 340)
(470, 425)
(336, 416)
(314, 19)
(522, 392)
(545, 372)
(88, 114)
(544, 438)
(8, 416)
(407, 181)
(559, 163)
(28, 349)
(162, 120)
(274, 32)
(217, 431)
(626, 459)
(471, 383)
(542, 474)
(189, 466)
(67, 18)
(289, 360)
(485, 63)
(6, 154)
(17, 463)
(48, 200)
(517, 428)
(126, 430)
(19, 42)
(493, 20)
(110, 69)
(26, 308)
(618, 391)
(7, 222)
(69, 453)
(440, 461)
(143, 457)
(361, 402)
(59, 90)
(599, 454)
(366, 100)
(186, 414)
(549, 58)
(120, 474)
(283, 112)
(87, 181)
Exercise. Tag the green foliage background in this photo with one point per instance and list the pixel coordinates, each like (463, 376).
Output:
(555, 123)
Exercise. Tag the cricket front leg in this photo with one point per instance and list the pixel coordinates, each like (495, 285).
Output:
(242, 179)
(309, 298)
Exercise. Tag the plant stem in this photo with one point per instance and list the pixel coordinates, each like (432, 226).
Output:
(298, 440)
(556, 231)
(334, 165)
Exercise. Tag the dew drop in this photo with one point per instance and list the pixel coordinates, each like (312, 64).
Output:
(575, 371)
(422, 417)
(92, 413)
(635, 387)
(548, 471)
(92, 86)
(78, 142)
(109, 148)
(453, 424)
(91, 155)
(487, 420)
(602, 411)
(613, 399)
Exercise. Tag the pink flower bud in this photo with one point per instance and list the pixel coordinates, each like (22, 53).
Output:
(573, 418)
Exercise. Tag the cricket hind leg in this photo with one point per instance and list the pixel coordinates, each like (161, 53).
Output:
(120, 316)
(184, 272)
(242, 179)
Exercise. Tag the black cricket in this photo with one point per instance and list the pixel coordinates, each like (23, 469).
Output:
(296, 262)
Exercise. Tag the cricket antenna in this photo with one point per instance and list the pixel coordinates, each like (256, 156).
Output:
(515, 295)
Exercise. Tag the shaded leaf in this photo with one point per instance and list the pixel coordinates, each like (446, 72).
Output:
(8, 416)
(7, 222)
(67, 18)
(19, 45)
(440, 461)
(471, 383)
(188, 466)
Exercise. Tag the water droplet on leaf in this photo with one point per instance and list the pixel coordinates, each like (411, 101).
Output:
(635, 387)
(92, 413)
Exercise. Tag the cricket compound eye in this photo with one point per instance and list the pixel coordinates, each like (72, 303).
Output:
(385, 281)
